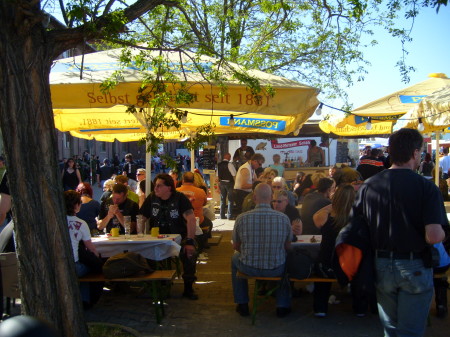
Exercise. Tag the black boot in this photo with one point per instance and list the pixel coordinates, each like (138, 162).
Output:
(189, 291)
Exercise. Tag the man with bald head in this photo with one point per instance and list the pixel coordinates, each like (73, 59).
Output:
(260, 238)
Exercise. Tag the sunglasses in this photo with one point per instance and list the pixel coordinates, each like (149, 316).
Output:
(278, 201)
(276, 186)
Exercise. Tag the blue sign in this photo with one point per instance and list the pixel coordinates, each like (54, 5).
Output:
(360, 120)
(256, 123)
(406, 99)
(108, 129)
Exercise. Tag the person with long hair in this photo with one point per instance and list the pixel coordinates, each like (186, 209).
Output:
(426, 167)
(71, 175)
(330, 220)
(304, 188)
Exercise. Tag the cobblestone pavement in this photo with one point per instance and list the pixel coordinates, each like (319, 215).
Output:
(214, 313)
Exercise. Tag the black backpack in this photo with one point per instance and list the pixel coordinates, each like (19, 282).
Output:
(125, 265)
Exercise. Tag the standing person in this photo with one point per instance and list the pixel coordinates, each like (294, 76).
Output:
(245, 177)
(444, 164)
(260, 238)
(404, 213)
(277, 166)
(105, 172)
(71, 175)
(227, 174)
(130, 170)
(242, 154)
(173, 213)
(315, 156)
(426, 167)
(370, 166)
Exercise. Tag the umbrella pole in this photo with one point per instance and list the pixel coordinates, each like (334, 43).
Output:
(148, 171)
(436, 169)
(192, 158)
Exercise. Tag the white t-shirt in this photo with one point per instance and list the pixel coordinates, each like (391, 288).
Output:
(78, 230)
(239, 179)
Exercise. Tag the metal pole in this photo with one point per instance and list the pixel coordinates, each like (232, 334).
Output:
(436, 169)
(192, 158)
(148, 169)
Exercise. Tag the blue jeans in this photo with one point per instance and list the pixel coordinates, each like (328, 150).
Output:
(226, 190)
(240, 285)
(81, 270)
(404, 292)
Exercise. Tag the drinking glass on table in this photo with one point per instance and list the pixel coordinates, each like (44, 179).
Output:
(127, 226)
(140, 226)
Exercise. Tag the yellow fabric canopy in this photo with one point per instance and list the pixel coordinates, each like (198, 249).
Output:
(433, 110)
(351, 128)
(115, 120)
(80, 106)
(400, 102)
(383, 112)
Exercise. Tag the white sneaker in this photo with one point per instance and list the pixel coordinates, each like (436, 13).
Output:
(320, 314)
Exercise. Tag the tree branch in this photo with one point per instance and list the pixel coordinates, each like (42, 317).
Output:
(64, 39)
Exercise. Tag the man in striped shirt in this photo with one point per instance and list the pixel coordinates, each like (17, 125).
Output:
(260, 238)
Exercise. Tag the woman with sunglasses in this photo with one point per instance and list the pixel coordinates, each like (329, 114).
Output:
(280, 202)
(279, 184)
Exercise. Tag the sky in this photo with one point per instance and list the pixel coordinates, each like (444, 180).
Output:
(429, 52)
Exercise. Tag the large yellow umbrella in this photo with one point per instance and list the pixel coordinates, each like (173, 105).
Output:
(357, 126)
(71, 92)
(383, 112)
(80, 107)
(433, 112)
(115, 120)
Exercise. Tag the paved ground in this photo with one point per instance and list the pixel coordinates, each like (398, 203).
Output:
(214, 313)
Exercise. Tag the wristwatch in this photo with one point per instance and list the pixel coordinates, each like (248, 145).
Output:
(190, 242)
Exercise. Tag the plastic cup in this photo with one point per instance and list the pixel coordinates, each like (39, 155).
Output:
(115, 232)
(154, 232)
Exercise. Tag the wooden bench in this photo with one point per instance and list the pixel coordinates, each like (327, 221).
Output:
(154, 278)
(257, 300)
(214, 240)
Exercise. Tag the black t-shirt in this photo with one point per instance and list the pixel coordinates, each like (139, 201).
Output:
(105, 172)
(329, 234)
(167, 214)
(292, 212)
(128, 207)
(311, 204)
(130, 168)
(397, 204)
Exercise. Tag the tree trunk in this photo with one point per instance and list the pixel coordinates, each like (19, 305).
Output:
(46, 270)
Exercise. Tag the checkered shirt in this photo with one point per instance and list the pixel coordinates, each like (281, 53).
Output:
(262, 233)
